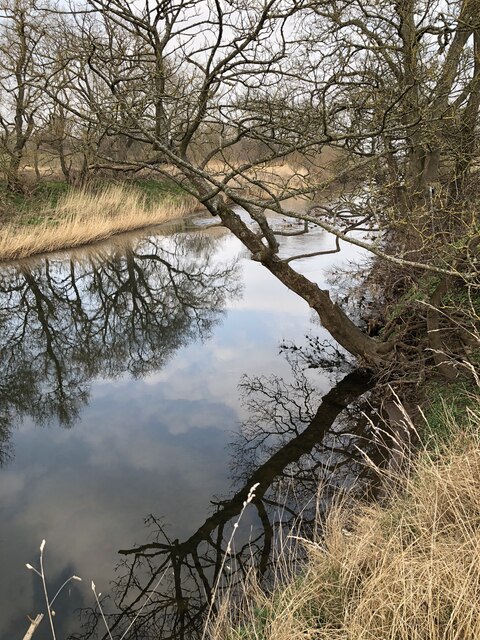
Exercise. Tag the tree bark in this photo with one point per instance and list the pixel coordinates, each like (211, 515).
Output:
(13, 180)
(423, 164)
(468, 140)
(332, 317)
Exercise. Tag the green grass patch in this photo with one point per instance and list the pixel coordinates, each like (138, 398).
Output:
(44, 194)
(48, 193)
(447, 410)
(156, 189)
(9, 199)
(465, 299)
(420, 291)
(256, 625)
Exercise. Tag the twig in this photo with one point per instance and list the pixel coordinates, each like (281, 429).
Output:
(250, 497)
(33, 625)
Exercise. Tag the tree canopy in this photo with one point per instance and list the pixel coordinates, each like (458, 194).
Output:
(381, 97)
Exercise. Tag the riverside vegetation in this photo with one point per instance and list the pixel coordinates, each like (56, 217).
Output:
(58, 217)
(404, 571)
(390, 91)
(51, 215)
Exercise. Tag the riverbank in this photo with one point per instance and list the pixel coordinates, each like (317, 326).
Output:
(49, 215)
(66, 218)
(403, 569)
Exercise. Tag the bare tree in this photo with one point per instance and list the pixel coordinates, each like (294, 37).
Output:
(22, 29)
(393, 86)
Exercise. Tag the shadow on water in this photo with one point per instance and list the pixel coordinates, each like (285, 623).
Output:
(64, 323)
(293, 443)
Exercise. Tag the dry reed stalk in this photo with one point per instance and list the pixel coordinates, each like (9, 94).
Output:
(81, 217)
(48, 601)
(226, 554)
(406, 571)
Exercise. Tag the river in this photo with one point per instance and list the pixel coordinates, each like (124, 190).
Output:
(143, 393)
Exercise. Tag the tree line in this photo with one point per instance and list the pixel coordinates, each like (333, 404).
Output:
(211, 92)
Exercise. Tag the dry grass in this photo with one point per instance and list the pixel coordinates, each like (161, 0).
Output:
(280, 181)
(82, 217)
(406, 571)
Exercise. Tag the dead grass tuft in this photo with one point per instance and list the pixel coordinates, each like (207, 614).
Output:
(406, 571)
(83, 217)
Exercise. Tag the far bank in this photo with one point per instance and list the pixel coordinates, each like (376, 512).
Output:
(56, 217)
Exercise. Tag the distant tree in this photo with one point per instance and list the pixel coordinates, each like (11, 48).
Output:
(22, 28)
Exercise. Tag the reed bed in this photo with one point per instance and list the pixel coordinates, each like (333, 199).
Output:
(408, 570)
(82, 217)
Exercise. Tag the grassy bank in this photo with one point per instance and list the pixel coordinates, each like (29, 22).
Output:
(57, 217)
(49, 215)
(406, 567)
(406, 571)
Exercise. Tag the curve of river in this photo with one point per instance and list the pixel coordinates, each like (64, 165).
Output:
(142, 395)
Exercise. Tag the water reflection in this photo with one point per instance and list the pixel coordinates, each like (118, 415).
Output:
(63, 323)
(156, 444)
(164, 586)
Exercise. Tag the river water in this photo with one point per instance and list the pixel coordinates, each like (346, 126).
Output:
(143, 393)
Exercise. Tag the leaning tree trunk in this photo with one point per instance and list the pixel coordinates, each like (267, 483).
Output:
(332, 317)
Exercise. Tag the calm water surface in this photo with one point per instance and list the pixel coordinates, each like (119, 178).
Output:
(122, 426)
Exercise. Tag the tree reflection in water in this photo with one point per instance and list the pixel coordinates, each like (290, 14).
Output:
(289, 436)
(124, 310)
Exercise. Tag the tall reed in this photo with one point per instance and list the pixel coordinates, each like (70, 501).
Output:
(405, 570)
(82, 217)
